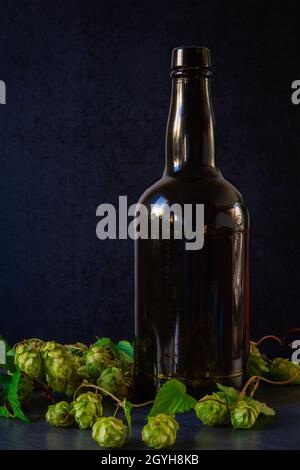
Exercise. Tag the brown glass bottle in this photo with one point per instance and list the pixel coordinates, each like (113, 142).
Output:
(191, 307)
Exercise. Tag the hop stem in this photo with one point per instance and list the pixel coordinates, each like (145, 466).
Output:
(97, 387)
(27, 340)
(140, 405)
(257, 378)
(120, 403)
(74, 346)
(261, 340)
(45, 389)
(281, 341)
(116, 411)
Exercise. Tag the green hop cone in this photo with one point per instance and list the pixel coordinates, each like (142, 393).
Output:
(75, 379)
(29, 360)
(114, 381)
(60, 414)
(78, 361)
(86, 409)
(257, 362)
(160, 431)
(97, 358)
(60, 368)
(244, 415)
(72, 384)
(83, 373)
(109, 432)
(25, 389)
(284, 369)
(35, 343)
(212, 412)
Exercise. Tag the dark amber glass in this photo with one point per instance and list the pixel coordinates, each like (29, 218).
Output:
(191, 307)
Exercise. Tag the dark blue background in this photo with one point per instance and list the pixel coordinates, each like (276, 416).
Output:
(87, 100)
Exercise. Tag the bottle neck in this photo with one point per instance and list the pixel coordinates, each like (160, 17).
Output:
(190, 137)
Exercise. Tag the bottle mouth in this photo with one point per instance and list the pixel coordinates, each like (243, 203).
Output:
(190, 59)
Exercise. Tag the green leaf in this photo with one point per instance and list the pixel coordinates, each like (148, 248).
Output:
(103, 342)
(231, 394)
(4, 413)
(127, 406)
(13, 399)
(263, 408)
(171, 399)
(126, 349)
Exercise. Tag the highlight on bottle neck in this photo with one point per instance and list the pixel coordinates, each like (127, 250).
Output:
(190, 59)
(190, 137)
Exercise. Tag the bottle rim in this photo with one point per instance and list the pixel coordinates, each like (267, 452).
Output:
(191, 59)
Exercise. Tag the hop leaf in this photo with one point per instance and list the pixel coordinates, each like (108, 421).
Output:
(160, 431)
(211, 411)
(244, 415)
(171, 399)
(13, 399)
(109, 432)
(127, 407)
(125, 355)
(284, 369)
(263, 408)
(60, 414)
(230, 394)
(4, 413)
(86, 409)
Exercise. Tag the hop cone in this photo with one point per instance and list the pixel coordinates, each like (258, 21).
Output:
(60, 368)
(244, 415)
(78, 361)
(114, 381)
(212, 412)
(109, 432)
(284, 369)
(86, 409)
(160, 431)
(257, 363)
(29, 360)
(25, 389)
(97, 358)
(60, 414)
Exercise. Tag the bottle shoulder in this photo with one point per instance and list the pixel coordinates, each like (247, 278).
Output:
(223, 203)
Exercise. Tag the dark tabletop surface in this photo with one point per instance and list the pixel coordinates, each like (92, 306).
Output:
(279, 432)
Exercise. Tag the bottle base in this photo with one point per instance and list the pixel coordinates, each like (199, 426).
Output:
(146, 387)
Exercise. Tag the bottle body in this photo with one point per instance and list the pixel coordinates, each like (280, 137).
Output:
(191, 306)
